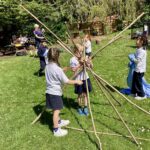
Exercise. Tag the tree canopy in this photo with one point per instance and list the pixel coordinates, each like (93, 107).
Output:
(54, 13)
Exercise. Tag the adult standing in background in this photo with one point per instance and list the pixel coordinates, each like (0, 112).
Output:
(38, 33)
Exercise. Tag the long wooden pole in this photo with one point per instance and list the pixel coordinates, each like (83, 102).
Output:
(109, 43)
(39, 116)
(69, 35)
(62, 45)
(89, 104)
(116, 37)
(115, 109)
(140, 108)
(44, 26)
(106, 133)
(106, 89)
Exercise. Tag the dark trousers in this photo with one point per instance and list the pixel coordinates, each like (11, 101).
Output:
(137, 86)
(42, 65)
(37, 43)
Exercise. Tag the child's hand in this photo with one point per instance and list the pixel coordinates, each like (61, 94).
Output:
(66, 69)
(79, 82)
(82, 60)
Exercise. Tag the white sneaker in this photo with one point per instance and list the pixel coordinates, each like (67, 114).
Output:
(140, 98)
(60, 132)
(63, 123)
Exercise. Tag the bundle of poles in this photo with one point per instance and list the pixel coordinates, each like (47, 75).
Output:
(102, 84)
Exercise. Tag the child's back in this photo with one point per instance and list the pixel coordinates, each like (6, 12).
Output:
(55, 77)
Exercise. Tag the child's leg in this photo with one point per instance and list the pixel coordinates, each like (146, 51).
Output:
(133, 89)
(85, 109)
(80, 104)
(42, 65)
(56, 126)
(85, 99)
(56, 118)
(139, 85)
(79, 99)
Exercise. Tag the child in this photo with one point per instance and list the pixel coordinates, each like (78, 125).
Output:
(42, 50)
(87, 44)
(80, 89)
(140, 69)
(55, 78)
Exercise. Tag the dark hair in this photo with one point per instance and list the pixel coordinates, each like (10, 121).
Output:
(53, 55)
(75, 49)
(143, 39)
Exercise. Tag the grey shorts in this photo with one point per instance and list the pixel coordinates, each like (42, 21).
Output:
(54, 102)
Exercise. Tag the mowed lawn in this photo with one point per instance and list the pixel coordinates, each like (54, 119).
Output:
(22, 96)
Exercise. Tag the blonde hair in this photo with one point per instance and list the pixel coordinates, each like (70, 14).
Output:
(36, 26)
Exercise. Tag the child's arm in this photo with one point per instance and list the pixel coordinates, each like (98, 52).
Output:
(79, 82)
(89, 63)
(39, 37)
(74, 69)
(66, 69)
(139, 57)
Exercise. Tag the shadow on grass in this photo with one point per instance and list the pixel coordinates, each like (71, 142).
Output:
(102, 104)
(116, 87)
(127, 122)
(46, 118)
(37, 74)
(114, 130)
(132, 46)
(69, 103)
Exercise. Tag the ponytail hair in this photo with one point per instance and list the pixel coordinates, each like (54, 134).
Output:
(53, 55)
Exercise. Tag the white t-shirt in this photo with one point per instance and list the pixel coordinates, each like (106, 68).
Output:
(145, 27)
(55, 78)
(140, 56)
(74, 63)
(88, 47)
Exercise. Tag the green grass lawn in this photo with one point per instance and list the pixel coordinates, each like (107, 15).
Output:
(22, 94)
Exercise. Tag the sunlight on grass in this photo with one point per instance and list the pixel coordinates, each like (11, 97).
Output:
(22, 96)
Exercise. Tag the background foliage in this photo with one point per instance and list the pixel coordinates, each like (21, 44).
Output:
(55, 13)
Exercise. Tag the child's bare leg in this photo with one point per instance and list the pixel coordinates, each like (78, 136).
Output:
(80, 100)
(85, 109)
(56, 118)
(85, 99)
(80, 104)
(56, 129)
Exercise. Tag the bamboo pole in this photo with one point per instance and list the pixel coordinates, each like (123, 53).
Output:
(44, 25)
(47, 40)
(89, 103)
(62, 45)
(109, 43)
(140, 108)
(69, 35)
(106, 133)
(39, 116)
(44, 108)
(115, 109)
(116, 37)
(106, 89)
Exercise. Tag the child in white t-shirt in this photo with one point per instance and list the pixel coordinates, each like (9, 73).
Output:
(140, 69)
(55, 78)
(88, 46)
(80, 89)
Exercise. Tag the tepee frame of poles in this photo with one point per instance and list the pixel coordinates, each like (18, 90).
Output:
(102, 84)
